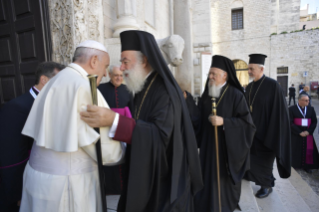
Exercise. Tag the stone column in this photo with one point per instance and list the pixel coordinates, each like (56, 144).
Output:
(182, 27)
(126, 13)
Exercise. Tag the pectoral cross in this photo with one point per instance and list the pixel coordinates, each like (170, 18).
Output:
(251, 108)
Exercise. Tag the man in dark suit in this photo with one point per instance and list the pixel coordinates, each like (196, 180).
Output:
(292, 93)
(15, 148)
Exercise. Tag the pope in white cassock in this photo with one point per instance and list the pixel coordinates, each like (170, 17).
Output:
(62, 173)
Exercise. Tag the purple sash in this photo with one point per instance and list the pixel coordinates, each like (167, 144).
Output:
(309, 151)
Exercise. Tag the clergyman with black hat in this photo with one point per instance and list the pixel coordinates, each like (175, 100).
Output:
(162, 159)
(269, 110)
(235, 136)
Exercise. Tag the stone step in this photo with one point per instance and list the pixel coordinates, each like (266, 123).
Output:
(305, 191)
(247, 201)
(272, 203)
(289, 196)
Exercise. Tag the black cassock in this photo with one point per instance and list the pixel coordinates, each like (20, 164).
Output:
(15, 147)
(272, 138)
(116, 97)
(298, 143)
(235, 139)
(150, 157)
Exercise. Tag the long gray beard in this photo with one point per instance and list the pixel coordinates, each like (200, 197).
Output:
(214, 90)
(135, 80)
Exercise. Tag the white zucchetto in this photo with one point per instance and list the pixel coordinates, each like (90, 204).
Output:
(93, 45)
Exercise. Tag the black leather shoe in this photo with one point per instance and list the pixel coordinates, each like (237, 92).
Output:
(263, 192)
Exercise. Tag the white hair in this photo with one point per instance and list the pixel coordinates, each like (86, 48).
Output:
(111, 67)
(83, 54)
(140, 56)
(262, 66)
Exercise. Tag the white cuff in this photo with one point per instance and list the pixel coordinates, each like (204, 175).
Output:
(114, 126)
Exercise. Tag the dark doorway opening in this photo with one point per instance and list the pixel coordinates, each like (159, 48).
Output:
(283, 82)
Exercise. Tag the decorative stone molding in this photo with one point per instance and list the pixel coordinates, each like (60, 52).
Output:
(73, 21)
(61, 13)
(126, 13)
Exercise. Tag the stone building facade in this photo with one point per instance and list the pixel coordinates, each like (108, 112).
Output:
(205, 26)
(73, 21)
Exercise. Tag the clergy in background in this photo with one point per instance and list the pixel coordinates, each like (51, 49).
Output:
(15, 147)
(269, 110)
(162, 159)
(235, 136)
(303, 122)
(62, 173)
(116, 95)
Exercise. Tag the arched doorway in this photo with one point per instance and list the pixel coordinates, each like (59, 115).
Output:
(241, 72)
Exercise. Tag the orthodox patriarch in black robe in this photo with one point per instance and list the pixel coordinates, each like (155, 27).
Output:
(304, 149)
(269, 111)
(15, 147)
(162, 159)
(116, 97)
(234, 138)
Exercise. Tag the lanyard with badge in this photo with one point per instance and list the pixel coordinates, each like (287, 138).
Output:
(304, 121)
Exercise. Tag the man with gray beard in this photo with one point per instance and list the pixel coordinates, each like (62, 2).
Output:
(163, 165)
(269, 111)
(235, 135)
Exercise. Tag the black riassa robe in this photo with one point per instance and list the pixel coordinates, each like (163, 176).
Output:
(15, 148)
(235, 139)
(116, 97)
(149, 157)
(272, 138)
(298, 143)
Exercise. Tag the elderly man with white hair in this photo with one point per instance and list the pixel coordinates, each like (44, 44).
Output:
(269, 110)
(118, 97)
(62, 174)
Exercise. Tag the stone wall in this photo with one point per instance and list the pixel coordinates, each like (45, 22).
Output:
(299, 52)
(261, 18)
(253, 38)
(202, 39)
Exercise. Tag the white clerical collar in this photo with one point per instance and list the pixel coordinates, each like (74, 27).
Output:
(79, 69)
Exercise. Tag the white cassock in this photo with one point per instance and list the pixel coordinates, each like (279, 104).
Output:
(62, 173)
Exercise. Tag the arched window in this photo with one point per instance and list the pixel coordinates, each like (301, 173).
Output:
(241, 72)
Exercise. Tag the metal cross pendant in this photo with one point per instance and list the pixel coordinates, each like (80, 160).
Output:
(251, 108)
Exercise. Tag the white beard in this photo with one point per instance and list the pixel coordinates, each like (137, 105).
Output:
(214, 90)
(135, 80)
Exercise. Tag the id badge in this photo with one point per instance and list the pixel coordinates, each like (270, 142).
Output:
(304, 122)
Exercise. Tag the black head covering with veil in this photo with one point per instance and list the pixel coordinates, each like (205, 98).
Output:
(226, 65)
(184, 140)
